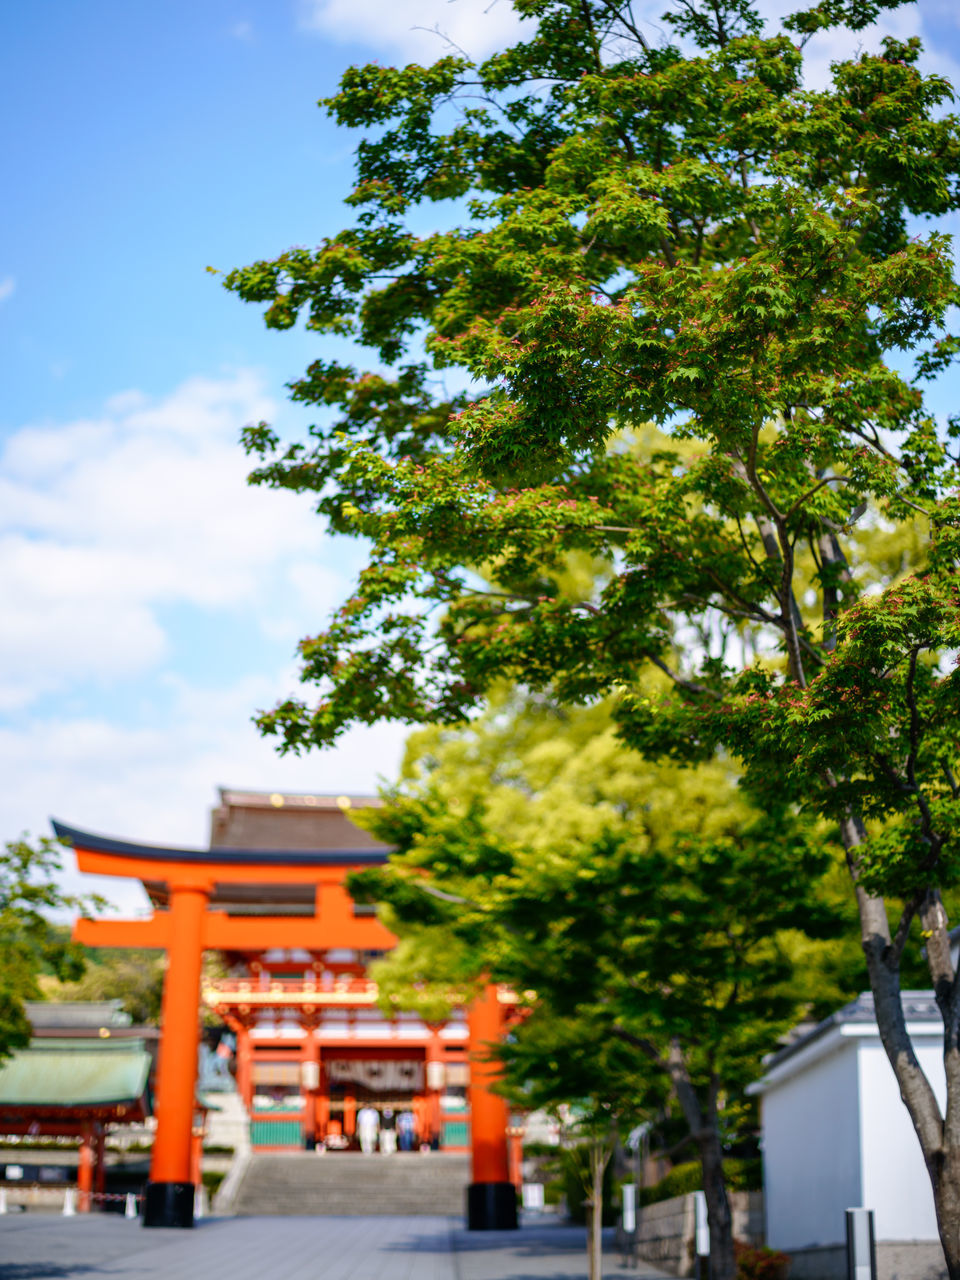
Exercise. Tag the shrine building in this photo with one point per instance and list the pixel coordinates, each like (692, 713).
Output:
(312, 1046)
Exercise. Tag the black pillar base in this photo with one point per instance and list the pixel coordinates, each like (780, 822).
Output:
(168, 1204)
(491, 1206)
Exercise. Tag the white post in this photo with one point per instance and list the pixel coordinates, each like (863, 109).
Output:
(3, 1199)
(629, 1190)
(702, 1234)
(861, 1246)
(130, 1206)
(70, 1203)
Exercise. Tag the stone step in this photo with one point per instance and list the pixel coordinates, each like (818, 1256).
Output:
(302, 1183)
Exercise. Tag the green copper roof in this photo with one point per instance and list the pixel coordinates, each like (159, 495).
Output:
(75, 1073)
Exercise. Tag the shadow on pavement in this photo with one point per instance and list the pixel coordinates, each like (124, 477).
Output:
(45, 1270)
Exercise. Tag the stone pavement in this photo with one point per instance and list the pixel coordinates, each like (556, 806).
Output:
(104, 1247)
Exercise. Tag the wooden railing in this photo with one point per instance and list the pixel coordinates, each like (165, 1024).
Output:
(249, 991)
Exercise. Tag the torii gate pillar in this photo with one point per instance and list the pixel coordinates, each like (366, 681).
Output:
(170, 1191)
(491, 1196)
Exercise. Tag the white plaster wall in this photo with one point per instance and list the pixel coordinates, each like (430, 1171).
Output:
(895, 1182)
(811, 1152)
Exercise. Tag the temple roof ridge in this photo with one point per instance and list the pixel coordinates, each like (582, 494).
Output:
(95, 842)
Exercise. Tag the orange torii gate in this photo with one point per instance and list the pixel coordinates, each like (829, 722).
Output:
(191, 883)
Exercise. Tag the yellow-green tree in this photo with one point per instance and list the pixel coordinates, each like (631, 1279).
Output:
(648, 906)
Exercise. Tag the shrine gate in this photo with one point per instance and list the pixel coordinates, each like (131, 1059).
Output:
(312, 1045)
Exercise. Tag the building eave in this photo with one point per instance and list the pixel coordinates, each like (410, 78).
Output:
(219, 856)
(855, 1022)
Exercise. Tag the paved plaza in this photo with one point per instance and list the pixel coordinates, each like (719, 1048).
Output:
(103, 1247)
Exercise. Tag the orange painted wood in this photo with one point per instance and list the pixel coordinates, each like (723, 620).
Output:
(311, 1053)
(85, 1163)
(244, 1066)
(152, 932)
(349, 1114)
(260, 933)
(489, 1114)
(223, 933)
(196, 1154)
(434, 1120)
(210, 873)
(99, 1159)
(180, 1020)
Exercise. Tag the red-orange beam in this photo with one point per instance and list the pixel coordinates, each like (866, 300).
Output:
(151, 932)
(85, 1161)
(491, 1197)
(170, 1191)
(177, 872)
(310, 1085)
(232, 933)
(256, 933)
(245, 1067)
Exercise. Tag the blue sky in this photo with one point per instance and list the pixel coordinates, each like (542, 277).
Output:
(150, 600)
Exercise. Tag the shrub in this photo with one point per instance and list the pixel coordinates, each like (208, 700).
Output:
(760, 1263)
(553, 1192)
(741, 1175)
(534, 1150)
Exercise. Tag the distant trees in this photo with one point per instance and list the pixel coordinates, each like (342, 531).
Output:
(120, 973)
(30, 943)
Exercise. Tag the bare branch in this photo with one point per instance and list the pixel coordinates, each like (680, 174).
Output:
(690, 685)
(893, 953)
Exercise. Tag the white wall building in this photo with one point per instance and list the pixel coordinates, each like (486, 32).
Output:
(837, 1136)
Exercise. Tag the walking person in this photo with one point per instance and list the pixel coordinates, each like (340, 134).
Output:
(368, 1126)
(388, 1131)
(406, 1130)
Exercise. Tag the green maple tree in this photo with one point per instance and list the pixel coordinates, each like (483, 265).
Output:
(682, 235)
(667, 933)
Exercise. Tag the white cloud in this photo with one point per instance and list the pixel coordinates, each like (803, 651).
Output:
(157, 782)
(242, 31)
(409, 29)
(7, 288)
(108, 526)
(838, 45)
(418, 29)
(104, 523)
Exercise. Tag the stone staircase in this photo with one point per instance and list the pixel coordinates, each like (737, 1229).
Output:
(344, 1183)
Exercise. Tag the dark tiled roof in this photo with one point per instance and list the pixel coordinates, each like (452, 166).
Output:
(918, 1006)
(69, 1014)
(222, 856)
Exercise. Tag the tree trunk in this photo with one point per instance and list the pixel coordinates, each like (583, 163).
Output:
(939, 1141)
(705, 1131)
(599, 1155)
(723, 1264)
(946, 1196)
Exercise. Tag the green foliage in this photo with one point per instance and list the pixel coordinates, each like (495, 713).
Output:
(649, 916)
(696, 241)
(740, 1175)
(212, 1178)
(128, 974)
(691, 240)
(683, 293)
(29, 943)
